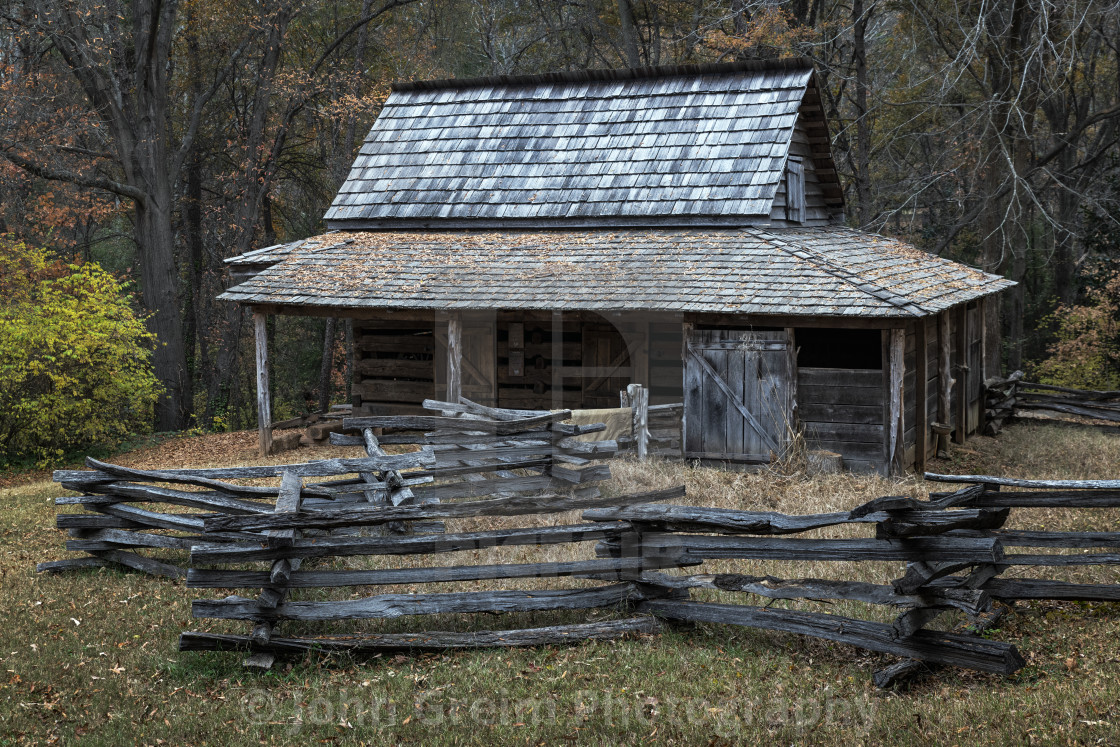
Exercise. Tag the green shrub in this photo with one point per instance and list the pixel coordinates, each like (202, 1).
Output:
(75, 365)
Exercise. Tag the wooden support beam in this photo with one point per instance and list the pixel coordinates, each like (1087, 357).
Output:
(897, 430)
(264, 400)
(921, 394)
(961, 430)
(635, 335)
(983, 373)
(454, 357)
(639, 409)
(791, 354)
(686, 332)
(557, 360)
(944, 379)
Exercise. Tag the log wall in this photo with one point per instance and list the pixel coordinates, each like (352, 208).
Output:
(518, 360)
(394, 366)
(842, 410)
(528, 361)
(666, 370)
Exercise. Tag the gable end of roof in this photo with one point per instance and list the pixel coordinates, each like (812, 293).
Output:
(659, 147)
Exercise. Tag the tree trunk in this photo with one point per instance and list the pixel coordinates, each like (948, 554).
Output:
(860, 18)
(326, 366)
(223, 380)
(629, 28)
(156, 240)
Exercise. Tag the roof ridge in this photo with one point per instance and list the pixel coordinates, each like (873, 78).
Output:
(842, 273)
(608, 74)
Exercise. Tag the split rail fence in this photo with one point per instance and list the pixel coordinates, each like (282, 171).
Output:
(1005, 397)
(125, 510)
(953, 546)
(953, 549)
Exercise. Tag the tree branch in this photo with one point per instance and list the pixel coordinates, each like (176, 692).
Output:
(1038, 166)
(392, 4)
(61, 175)
(199, 104)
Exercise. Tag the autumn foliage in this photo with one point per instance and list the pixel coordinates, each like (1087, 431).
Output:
(1086, 353)
(75, 361)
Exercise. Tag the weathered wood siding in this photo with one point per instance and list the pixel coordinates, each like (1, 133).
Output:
(737, 396)
(394, 369)
(975, 377)
(478, 363)
(932, 380)
(549, 376)
(842, 410)
(606, 357)
(966, 369)
(815, 212)
(910, 396)
(665, 365)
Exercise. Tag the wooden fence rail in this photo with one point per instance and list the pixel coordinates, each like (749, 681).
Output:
(954, 542)
(952, 549)
(526, 459)
(1004, 397)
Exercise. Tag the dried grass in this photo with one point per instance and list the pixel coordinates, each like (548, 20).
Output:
(92, 654)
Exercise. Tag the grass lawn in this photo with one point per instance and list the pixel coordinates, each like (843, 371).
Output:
(92, 655)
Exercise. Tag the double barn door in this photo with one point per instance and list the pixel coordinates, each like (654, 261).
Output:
(738, 398)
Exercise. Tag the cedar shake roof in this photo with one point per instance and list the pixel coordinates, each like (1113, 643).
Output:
(682, 146)
(830, 271)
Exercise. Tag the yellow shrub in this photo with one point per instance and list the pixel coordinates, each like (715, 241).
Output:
(75, 366)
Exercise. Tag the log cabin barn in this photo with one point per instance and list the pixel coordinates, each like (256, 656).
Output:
(543, 241)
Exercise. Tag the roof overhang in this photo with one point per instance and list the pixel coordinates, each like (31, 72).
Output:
(833, 272)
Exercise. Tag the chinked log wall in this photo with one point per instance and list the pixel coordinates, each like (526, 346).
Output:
(515, 360)
(541, 359)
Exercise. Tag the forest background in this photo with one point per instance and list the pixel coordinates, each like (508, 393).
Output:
(157, 138)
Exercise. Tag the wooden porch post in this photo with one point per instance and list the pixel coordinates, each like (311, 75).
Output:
(639, 425)
(961, 432)
(454, 357)
(921, 395)
(944, 379)
(982, 310)
(558, 360)
(896, 447)
(264, 400)
(686, 332)
(791, 362)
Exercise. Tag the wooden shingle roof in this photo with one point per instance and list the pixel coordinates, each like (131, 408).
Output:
(694, 146)
(833, 271)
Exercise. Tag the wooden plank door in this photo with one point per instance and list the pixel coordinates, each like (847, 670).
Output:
(606, 365)
(480, 364)
(737, 394)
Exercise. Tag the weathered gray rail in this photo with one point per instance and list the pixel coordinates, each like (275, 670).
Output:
(952, 548)
(526, 459)
(1004, 397)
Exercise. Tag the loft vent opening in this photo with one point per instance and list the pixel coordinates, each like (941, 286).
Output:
(828, 347)
(795, 190)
